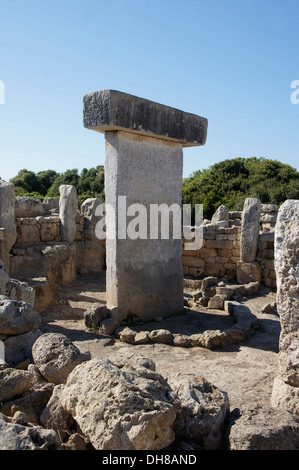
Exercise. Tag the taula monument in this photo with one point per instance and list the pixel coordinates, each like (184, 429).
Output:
(143, 163)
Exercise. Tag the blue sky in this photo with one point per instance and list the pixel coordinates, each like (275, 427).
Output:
(231, 61)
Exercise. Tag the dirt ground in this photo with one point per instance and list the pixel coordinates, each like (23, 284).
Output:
(245, 371)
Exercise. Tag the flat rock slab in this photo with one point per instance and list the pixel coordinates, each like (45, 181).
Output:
(111, 110)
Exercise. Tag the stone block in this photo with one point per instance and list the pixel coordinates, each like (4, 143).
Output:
(207, 253)
(266, 237)
(28, 235)
(248, 272)
(214, 269)
(221, 215)
(268, 218)
(250, 229)
(235, 214)
(209, 235)
(196, 271)
(28, 207)
(112, 110)
(7, 221)
(287, 276)
(217, 302)
(68, 204)
(219, 244)
(88, 210)
(268, 208)
(221, 236)
(48, 232)
(145, 278)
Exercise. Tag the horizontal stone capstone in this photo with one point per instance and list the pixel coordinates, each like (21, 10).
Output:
(112, 110)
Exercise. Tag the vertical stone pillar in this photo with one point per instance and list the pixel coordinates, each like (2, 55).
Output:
(7, 221)
(68, 205)
(286, 386)
(247, 269)
(143, 166)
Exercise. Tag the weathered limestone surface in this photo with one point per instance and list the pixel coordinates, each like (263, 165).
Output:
(13, 383)
(287, 274)
(18, 348)
(221, 216)
(111, 110)
(263, 428)
(250, 229)
(55, 356)
(202, 413)
(144, 276)
(54, 416)
(285, 396)
(17, 437)
(88, 211)
(17, 317)
(7, 221)
(68, 204)
(28, 207)
(249, 272)
(127, 408)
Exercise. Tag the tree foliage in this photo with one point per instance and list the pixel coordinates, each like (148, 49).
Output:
(228, 182)
(89, 183)
(231, 181)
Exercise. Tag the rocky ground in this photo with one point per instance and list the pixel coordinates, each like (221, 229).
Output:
(244, 370)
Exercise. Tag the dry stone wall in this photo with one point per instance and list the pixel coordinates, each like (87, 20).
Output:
(40, 254)
(220, 254)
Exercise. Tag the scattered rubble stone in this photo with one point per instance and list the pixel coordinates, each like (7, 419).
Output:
(14, 382)
(54, 415)
(203, 411)
(161, 336)
(95, 314)
(55, 356)
(264, 428)
(100, 395)
(17, 317)
(108, 326)
(18, 437)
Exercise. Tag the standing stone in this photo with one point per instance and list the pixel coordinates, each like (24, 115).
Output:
(144, 276)
(68, 204)
(287, 275)
(250, 229)
(248, 270)
(7, 221)
(143, 165)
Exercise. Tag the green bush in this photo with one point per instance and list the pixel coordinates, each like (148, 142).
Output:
(230, 182)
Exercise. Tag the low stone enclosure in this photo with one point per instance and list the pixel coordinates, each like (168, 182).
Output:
(45, 256)
(54, 395)
(41, 262)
